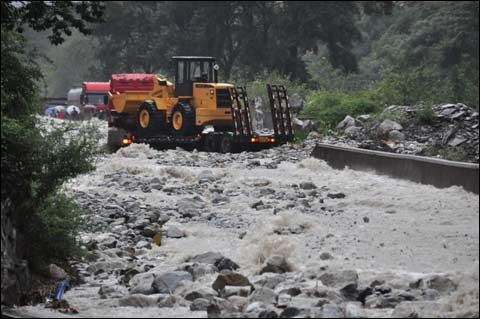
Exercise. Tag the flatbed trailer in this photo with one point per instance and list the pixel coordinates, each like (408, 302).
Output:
(242, 137)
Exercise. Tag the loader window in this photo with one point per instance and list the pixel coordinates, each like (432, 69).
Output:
(207, 69)
(180, 74)
(195, 70)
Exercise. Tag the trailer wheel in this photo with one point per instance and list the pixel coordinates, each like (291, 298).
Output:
(149, 120)
(225, 145)
(182, 120)
(210, 144)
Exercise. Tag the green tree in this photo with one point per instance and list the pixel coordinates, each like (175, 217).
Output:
(36, 162)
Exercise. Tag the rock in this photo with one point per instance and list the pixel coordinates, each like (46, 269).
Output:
(396, 136)
(457, 141)
(256, 204)
(206, 258)
(168, 282)
(386, 126)
(440, 283)
(204, 293)
(350, 291)
(226, 263)
(238, 303)
(325, 256)
(336, 195)
(56, 272)
(331, 311)
(163, 219)
(200, 304)
(105, 266)
(264, 295)
(353, 310)
(290, 312)
(206, 176)
(198, 270)
(139, 300)
(363, 118)
(268, 279)
(228, 291)
(167, 302)
(353, 131)
(404, 310)
(149, 231)
(175, 232)
(111, 291)
(307, 185)
(421, 309)
(143, 244)
(303, 303)
(230, 278)
(348, 121)
(142, 284)
(254, 307)
(283, 300)
(457, 115)
(431, 294)
(339, 279)
(276, 264)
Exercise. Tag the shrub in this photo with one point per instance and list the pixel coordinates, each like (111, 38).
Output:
(258, 87)
(329, 108)
(300, 136)
(53, 231)
(425, 114)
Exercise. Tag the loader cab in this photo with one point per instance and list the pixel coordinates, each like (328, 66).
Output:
(190, 69)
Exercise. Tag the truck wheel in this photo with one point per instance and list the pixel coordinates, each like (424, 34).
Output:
(182, 120)
(210, 144)
(225, 145)
(150, 121)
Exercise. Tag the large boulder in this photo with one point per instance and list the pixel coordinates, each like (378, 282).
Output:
(168, 282)
(56, 272)
(230, 278)
(348, 121)
(142, 283)
(198, 270)
(386, 126)
(276, 264)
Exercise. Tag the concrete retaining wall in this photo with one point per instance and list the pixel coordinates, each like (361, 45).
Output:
(425, 170)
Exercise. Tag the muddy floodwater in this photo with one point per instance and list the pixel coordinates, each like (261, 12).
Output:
(413, 240)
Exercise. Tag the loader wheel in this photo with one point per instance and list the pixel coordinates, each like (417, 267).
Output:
(182, 120)
(150, 121)
(225, 145)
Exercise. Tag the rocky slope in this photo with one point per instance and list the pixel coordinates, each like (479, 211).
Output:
(450, 131)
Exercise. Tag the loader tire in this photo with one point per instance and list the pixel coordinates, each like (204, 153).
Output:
(182, 120)
(150, 121)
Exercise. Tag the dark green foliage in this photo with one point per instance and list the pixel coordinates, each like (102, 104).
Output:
(58, 16)
(247, 38)
(35, 161)
(424, 51)
(19, 75)
(329, 108)
(300, 136)
(425, 114)
(53, 231)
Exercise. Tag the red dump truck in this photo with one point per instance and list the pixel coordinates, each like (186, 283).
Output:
(94, 97)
